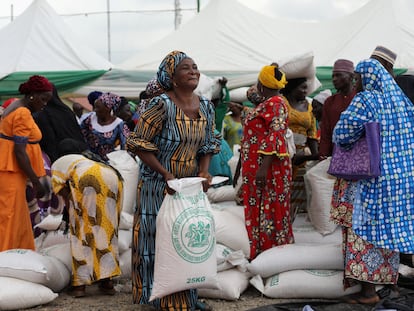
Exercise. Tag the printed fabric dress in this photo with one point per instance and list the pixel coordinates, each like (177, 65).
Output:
(94, 214)
(267, 212)
(177, 141)
(382, 206)
(102, 139)
(303, 126)
(15, 225)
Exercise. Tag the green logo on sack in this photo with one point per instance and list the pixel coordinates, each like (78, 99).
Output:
(192, 235)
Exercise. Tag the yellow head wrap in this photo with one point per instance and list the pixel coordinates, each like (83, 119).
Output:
(268, 79)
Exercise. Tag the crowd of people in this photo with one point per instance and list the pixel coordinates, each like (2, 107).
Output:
(55, 151)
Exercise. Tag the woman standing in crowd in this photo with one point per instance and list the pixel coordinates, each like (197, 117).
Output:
(93, 195)
(302, 122)
(232, 126)
(174, 138)
(21, 159)
(103, 130)
(57, 122)
(380, 224)
(266, 167)
(124, 112)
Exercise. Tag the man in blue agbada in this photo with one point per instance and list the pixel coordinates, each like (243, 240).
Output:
(380, 226)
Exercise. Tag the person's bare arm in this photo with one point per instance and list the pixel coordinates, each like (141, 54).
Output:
(24, 163)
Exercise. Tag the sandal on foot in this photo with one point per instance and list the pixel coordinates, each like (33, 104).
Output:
(106, 286)
(78, 291)
(203, 306)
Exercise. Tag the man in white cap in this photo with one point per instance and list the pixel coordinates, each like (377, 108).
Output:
(342, 76)
(317, 103)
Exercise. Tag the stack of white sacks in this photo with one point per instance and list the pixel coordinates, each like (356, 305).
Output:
(313, 266)
(310, 268)
(30, 278)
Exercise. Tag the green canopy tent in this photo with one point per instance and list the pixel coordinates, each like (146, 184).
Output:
(65, 81)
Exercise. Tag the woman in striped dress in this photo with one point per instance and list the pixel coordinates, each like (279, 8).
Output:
(174, 138)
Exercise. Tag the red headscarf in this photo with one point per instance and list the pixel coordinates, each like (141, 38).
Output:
(35, 84)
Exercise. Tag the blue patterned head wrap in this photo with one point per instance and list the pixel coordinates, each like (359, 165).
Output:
(167, 68)
(110, 100)
(373, 75)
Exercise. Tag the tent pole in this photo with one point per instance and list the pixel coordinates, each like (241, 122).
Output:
(108, 24)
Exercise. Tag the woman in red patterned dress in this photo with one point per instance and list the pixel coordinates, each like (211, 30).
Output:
(266, 167)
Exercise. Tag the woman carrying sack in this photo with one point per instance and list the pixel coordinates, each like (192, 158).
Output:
(174, 138)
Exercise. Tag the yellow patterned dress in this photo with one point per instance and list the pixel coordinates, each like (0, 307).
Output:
(303, 126)
(94, 214)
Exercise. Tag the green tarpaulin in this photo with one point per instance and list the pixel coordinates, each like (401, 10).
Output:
(65, 81)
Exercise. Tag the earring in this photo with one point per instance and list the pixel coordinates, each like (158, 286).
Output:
(31, 97)
(175, 84)
(112, 113)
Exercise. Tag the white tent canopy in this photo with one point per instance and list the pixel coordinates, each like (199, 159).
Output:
(229, 37)
(39, 40)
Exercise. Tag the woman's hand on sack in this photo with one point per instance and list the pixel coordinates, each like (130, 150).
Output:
(168, 176)
(207, 182)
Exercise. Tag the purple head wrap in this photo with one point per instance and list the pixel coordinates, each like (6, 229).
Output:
(110, 100)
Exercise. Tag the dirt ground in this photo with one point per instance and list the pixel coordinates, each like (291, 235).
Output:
(122, 301)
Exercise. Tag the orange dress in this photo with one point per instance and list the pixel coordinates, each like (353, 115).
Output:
(15, 226)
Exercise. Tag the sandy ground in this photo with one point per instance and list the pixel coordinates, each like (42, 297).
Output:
(94, 300)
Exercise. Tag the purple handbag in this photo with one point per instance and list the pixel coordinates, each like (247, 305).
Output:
(363, 160)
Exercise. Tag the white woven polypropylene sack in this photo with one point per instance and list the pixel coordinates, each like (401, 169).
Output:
(128, 168)
(232, 283)
(124, 240)
(321, 187)
(295, 256)
(304, 284)
(125, 221)
(125, 264)
(50, 222)
(230, 226)
(221, 194)
(50, 238)
(18, 294)
(31, 266)
(305, 233)
(228, 258)
(61, 252)
(185, 244)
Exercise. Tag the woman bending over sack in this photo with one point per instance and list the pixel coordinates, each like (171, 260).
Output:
(93, 194)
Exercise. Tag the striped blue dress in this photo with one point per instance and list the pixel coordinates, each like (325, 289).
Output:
(178, 142)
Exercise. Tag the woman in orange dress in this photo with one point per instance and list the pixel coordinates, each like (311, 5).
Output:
(21, 159)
